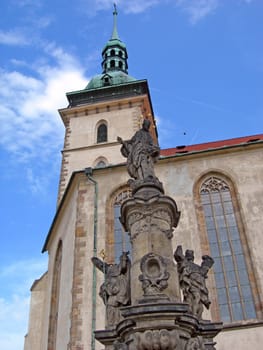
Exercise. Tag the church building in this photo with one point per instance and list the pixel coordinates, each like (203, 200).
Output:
(218, 187)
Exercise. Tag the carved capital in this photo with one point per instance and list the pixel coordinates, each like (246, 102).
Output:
(158, 207)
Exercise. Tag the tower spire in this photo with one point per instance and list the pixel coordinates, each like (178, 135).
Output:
(115, 31)
(114, 54)
(114, 61)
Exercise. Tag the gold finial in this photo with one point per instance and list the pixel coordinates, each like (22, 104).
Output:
(102, 254)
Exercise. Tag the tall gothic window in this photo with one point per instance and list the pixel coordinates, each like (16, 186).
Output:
(53, 317)
(234, 292)
(121, 238)
(102, 133)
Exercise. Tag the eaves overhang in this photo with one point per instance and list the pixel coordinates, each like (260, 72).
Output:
(87, 96)
(239, 142)
(91, 97)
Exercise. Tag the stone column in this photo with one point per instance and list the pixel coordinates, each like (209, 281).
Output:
(149, 217)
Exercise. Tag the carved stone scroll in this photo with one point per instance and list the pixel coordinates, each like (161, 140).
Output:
(154, 275)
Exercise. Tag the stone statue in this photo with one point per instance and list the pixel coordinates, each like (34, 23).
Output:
(115, 291)
(192, 280)
(141, 153)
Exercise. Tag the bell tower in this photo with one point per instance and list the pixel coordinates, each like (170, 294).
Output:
(113, 103)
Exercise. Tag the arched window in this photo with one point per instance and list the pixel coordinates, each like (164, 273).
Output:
(53, 316)
(100, 162)
(106, 81)
(120, 64)
(234, 292)
(102, 133)
(112, 63)
(121, 238)
(112, 52)
(117, 240)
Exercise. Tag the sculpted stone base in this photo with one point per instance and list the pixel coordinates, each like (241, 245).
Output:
(164, 326)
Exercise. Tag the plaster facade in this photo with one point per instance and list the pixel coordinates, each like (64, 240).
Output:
(81, 148)
(74, 226)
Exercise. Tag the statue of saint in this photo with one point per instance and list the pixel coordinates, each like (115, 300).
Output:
(141, 153)
(192, 279)
(115, 291)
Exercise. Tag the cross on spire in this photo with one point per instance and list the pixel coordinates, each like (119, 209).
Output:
(115, 31)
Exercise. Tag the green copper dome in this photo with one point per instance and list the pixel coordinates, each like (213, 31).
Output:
(114, 62)
(113, 43)
(108, 79)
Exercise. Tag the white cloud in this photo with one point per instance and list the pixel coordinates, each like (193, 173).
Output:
(197, 9)
(138, 6)
(16, 280)
(42, 22)
(128, 6)
(31, 129)
(13, 38)
(12, 322)
(23, 268)
(30, 3)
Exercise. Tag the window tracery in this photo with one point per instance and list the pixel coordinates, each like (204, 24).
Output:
(234, 292)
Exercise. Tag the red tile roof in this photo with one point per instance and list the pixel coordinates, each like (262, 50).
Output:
(211, 145)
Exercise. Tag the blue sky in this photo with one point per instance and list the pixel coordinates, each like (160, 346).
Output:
(204, 63)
